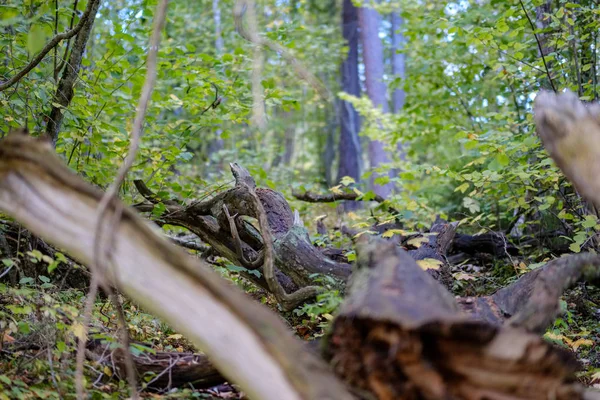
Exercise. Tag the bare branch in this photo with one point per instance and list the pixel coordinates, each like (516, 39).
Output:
(537, 39)
(311, 197)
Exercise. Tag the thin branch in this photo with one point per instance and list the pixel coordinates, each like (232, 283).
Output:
(101, 248)
(64, 57)
(49, 46)
(537, 39)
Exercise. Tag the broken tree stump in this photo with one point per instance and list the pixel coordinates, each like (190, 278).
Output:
(400, 335)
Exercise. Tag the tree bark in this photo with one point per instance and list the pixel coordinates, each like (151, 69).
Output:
(372, 50)
(350, 151)
(400, 335)
(66, 85)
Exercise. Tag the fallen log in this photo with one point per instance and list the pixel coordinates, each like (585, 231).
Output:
(159, 371)
(532, 302)
(400, 335)
(311, 197)
(217, 222)
(247, 343)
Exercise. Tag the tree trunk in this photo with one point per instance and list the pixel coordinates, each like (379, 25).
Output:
(65, 91)
(350, 152)
(216, 143)
(372, 50)
(398, 62)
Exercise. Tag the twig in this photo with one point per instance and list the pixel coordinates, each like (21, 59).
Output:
(537, 39)
(215, 103)
(49, 46)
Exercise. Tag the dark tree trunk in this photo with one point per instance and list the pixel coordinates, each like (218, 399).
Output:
(349, 147)
(65, 91)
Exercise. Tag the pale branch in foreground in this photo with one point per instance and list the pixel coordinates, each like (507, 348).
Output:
(570, 131)
(250, 345)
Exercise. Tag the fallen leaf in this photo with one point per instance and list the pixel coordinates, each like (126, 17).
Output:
(462, 276)
(79, 331)
(430, 263)
(581, 342)
(418, 241)
(6, 338)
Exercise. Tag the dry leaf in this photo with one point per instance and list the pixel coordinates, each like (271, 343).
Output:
(79, 331)
(418, 241)
(581, 342)
(176, 336)
(463, 276)
(430, 263)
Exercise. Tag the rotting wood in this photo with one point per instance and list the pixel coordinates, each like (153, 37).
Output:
(295, 258)
(400, 335)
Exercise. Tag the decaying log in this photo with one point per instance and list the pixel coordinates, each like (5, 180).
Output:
(160, 371)
(295, 257)
(492, 243)
(247, 343)
(532, 302)
(400, 335)
(16, 239)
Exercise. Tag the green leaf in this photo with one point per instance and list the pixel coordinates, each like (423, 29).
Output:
(36, 39)
(462, 188)
(347, 180)
(24, 327)
(589, 222)
(61, 346)
(575, 248)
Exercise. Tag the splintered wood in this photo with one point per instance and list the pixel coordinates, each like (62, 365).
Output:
(401, 336)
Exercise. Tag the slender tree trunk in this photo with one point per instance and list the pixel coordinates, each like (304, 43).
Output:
(350, 152)
(398, 70)
(216, 144)
(372, 49)
(398, 62)
(65, 90)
